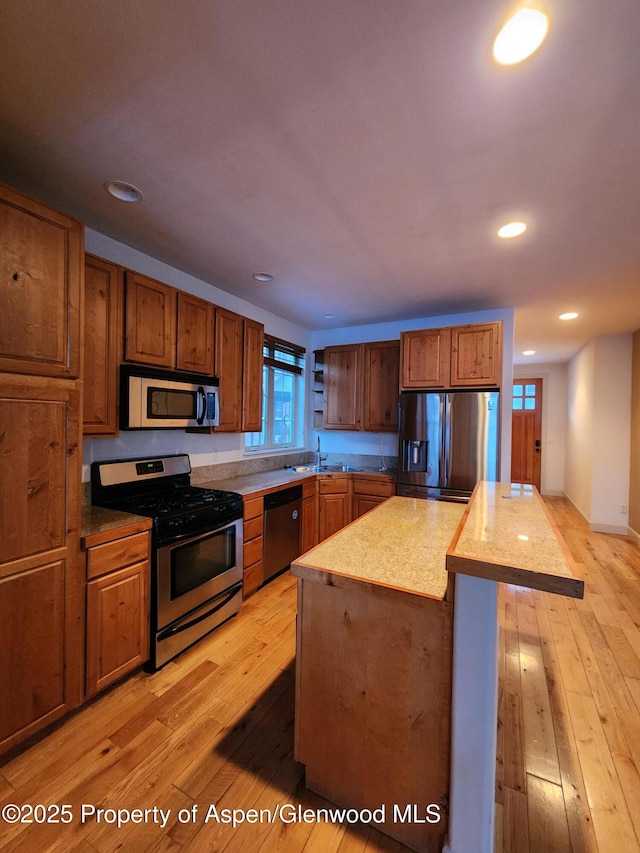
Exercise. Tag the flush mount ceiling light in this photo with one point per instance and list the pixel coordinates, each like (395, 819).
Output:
(521, 36)
(329, 316)
(512, 229)
(570, 315)
(263, 276)
(528, 352)
(123, 191)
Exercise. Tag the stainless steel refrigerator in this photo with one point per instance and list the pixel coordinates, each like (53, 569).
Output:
(448, 441)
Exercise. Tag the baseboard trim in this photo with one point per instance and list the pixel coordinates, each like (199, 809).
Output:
(634, 535)
(617, 529)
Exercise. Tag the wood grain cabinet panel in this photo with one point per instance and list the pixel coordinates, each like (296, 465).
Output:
(360, 384)
(41, 260)
(252, 534)
(117, 625)
(334, 505)
(253, 344)
(309, 529)
(102, 345)
(194, 334)
(380, 403)
(459, 356)
(41, 582)
(425, 359)
(369, 493)
(476, 355)
(343, 387)
(228, 367)
(150, 317)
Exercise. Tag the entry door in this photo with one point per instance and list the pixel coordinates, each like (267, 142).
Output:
(526, 431)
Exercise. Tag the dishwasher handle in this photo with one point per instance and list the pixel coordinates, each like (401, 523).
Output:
(284, 496)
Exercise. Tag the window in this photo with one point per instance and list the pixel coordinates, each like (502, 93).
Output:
(524, 397)
(282, 397)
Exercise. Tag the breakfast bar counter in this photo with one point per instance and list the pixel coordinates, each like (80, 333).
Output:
(396, 670)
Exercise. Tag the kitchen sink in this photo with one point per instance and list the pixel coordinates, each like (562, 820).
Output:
(318, 469)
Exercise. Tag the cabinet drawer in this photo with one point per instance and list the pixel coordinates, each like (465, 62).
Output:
(331, 486)
(251, 578)
(373, 487)
(252, 528)
(309, 489)
(117, 554)
(252, 508)
(252, 551)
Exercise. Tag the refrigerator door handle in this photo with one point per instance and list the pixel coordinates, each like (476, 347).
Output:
(442, 451)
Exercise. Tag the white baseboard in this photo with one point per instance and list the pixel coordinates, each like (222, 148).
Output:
(553, 493)
(634, 535)
(618, 529)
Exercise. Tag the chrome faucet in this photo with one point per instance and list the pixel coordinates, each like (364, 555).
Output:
(319, 457)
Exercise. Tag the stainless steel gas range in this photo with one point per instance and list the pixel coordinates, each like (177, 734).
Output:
(196, 560)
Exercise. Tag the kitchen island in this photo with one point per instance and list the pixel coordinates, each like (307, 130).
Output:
(396, 658)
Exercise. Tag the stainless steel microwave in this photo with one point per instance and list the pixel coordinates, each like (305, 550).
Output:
(163, 399)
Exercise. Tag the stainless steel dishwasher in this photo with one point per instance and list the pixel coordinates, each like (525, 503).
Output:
(282, 512)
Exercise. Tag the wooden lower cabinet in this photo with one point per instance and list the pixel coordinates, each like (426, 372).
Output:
(373, 703)
(41, 573)
(369, 493)
(252, 535)
(117, 609)
(309, 534)
(334, 504)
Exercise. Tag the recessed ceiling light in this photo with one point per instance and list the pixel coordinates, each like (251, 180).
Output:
(528, 352)
(263, 276)
(512, 229)
(570, 315)
(123, 191)
(521, 36)
(329, 316)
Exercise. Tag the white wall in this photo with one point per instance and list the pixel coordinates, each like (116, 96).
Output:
(599, 432)
(554, 421)
(385, 444)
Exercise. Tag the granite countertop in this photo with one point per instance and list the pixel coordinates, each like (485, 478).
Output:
(401, 545)
(101, 525)
(508, 535)
(266, 481)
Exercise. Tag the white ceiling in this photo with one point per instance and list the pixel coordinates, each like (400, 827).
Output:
(364, 152)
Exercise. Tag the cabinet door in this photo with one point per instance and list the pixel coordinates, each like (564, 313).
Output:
(476, 355)
(194, 334)
(150, 321)
(117, 625)
(334, 514)
(363, 503)
(425, 359)
(309, 532)
(41, 260)
(342, 387)
(102, 345)
(41, 579)
(228, 368)
(252, 376)
(381, 376)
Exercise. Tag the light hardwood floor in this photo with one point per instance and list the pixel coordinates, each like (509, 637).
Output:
(568, 757)
(216, 726)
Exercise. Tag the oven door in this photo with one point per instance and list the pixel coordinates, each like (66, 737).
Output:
(194, 570)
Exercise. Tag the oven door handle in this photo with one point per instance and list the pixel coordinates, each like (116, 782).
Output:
(180, 626)
(203, 400)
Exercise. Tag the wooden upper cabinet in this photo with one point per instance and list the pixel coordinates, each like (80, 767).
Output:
(343, 387)
(195, 334)
(425, 359)
(460, 356)
(102, 345)
(381, 369)
(228, 368)
(360, 383)
(253, 343)
(41, 263)
(476, 354)
(150, 313)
